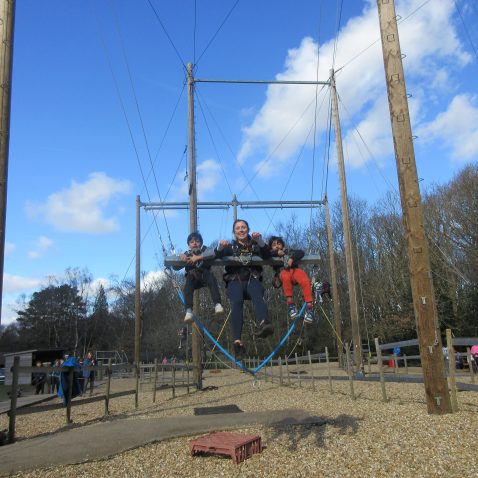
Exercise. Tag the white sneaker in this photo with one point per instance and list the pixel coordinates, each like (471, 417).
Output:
(218, 309)
(189, 317)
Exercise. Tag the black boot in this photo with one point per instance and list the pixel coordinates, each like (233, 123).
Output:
(239, 351)
(264, 330)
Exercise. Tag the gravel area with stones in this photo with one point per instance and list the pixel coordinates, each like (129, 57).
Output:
(361, 437)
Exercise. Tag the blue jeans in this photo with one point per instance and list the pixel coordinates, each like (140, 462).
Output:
(239, 291)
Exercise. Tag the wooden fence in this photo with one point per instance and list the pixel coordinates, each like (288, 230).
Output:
(169, 376)
(177, 375)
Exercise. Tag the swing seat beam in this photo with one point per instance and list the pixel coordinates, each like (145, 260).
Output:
(174, 261)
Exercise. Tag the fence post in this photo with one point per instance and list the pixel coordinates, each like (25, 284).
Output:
(136, 392)
(280, 372)
(68, 395)
(174, 379)
(369, 362)
(155, 383)
(380, 370)
(287, 369)
(470, 364)
(109, 373)
(328, 368)
(451, 371)
(405, 363)
(349, 371)
(187, 376)
(298, 371)
(311, 370)
(13, 400)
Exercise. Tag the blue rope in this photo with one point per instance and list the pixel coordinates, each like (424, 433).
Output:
(281, 343)
(221, 348)
(253, 372)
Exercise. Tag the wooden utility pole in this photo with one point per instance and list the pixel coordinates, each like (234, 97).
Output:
(193, 222)
(335, 290)
(234, 206)
(428, 330)
(7, 22)
(137, 299)
(354, 315)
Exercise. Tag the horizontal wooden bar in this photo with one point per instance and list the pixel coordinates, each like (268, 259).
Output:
(174, 261)
(403, 343)
(35, 369)
(462, 341)
(458, 341)
(74, 403)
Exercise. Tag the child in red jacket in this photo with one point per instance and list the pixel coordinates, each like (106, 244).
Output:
(290, 273)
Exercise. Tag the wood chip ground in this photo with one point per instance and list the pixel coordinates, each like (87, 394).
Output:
(364, 437)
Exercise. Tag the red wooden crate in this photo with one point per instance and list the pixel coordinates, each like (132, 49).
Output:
(238, 447)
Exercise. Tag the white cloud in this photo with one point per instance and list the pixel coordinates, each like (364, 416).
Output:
(95, 285)
(433, 53)
(9, 314)
(282, 123)
(43, 243)
(429, 37)
(209, 175)
(374, 133)
(15, 284)
(153, 279)
(457, 127)
(81, 208)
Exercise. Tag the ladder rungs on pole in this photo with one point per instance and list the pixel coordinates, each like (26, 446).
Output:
(174, 261)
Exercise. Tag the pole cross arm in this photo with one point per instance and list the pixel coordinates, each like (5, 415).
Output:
(174, 261)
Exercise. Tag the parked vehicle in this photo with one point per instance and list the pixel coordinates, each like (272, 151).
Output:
(2, 376)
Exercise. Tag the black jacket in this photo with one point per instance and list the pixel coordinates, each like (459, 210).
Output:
(294, 254)
(243, 271)
(207, 253)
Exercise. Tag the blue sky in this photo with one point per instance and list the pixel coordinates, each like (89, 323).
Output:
(98, 98)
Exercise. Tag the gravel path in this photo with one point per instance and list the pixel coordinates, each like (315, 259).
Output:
(362, 437)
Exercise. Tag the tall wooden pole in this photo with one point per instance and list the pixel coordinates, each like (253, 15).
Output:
(234, 207)
(428, 330)
(137, 293)
(193, 221)
(7, 22)
(354, 315)
(335, 290)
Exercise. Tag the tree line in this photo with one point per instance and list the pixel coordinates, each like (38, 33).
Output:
(63, 314)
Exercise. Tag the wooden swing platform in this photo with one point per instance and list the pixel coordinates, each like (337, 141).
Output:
(174, 261)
